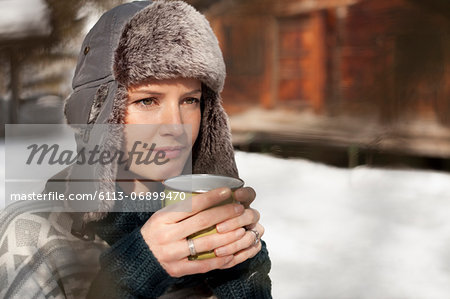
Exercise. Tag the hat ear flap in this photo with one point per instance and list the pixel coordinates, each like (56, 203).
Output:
(112, 142)
(213, 151)
(119, 108)
(99, 99)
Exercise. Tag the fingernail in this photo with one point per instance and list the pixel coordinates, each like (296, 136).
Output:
(239, 192)
(221, 227)
(240, 232)
(225, 193)
(220, 252)
(238, 208)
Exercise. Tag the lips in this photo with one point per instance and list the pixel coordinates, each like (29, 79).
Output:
(171, 152)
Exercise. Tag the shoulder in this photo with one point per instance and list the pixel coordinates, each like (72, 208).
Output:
(38, 254)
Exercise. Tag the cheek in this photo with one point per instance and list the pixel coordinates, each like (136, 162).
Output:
(135, 117)
(143, 117)
(131, 117)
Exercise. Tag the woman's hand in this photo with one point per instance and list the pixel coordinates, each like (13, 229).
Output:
(166, 231)
(249, 245)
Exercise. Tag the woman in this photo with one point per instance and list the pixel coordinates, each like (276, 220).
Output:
(168, 69)
(156, 65)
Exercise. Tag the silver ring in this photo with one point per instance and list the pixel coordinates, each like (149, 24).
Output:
(191, 247)
(256, 236)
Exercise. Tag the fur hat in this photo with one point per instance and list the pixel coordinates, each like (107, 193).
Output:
(169, 39)
(139, 41)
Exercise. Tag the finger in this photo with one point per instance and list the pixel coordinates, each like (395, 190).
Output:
(243, 255)
(175, 251)
(210, 242)
(191, 206)
(248, 218)
(170, 253)
(245, 196)
(207, 218)
(247, 241)
(180, 249)
(187, 267)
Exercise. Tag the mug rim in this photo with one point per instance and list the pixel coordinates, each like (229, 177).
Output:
(241, 182)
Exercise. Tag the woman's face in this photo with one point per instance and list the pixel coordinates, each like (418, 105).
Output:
(167, 117)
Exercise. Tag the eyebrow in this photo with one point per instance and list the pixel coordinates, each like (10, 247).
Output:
(149, 92)
(193, 92)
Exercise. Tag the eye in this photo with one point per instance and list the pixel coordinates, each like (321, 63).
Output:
(191, 101)
(144, 104)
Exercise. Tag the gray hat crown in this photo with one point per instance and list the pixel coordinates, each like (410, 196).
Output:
(96, 55)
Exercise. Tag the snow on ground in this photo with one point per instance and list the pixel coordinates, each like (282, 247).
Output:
(353, 234)
(361, 233)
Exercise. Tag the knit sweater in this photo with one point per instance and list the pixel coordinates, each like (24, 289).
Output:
(130, 270)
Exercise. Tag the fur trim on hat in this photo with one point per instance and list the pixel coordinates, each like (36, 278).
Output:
(213, 151)
(169, 39)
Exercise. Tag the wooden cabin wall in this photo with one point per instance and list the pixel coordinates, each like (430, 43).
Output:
(386, 59)
(243, 44)
(273, 61)
(395, 62)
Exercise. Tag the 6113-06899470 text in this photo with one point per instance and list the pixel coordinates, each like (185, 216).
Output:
(56, 196)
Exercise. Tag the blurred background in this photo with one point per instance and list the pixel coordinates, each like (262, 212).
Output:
(344, 82)
(340, 114)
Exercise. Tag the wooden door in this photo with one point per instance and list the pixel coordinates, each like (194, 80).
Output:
(300, 62)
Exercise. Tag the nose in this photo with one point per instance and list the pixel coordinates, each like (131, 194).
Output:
(172, 122)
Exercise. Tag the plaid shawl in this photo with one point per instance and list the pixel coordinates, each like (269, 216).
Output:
(40, 258)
